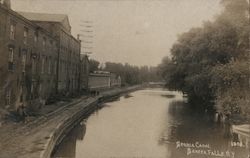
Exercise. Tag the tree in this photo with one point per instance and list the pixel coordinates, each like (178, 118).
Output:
(230, 83)
(93, 65)
(204, 58)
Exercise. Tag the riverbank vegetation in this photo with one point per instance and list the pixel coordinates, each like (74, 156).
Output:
(211, 63)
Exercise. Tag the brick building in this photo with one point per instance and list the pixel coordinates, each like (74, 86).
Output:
(68, 48)
(39, 58)
(28, 61)
(84, 72)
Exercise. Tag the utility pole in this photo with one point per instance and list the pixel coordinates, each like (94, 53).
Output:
(86, 36)
(86, 39)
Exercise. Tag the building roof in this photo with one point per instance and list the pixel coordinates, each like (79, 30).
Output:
(44, 16)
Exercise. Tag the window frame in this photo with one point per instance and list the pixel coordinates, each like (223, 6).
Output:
(23, 61)
(43, 65)
(8, 97)
(12, 31)
(25, 35)
(11, 59)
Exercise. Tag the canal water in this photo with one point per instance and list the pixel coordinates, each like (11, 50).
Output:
(151, 123)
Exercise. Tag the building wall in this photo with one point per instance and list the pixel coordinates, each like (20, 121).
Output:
(99, 81)
(3, 56)
(40, 60)
(84, 73)
(69, 62)
(68, 56)
(30, 75)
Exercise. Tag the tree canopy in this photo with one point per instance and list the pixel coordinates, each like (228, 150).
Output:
(210, 63)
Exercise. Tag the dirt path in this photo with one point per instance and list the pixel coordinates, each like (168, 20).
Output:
(19, 140)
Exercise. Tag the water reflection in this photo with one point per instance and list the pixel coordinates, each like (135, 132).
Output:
(151, 125)
(67, 148)
(191, 127)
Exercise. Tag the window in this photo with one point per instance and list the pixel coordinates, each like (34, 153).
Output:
(21, 98)
(40, 88)
(33, 65)
(23, 61)
(12, 31)
(17, 81)
(42, 67)
(60, 66)
(49, 66)
(36, 37)
(55, 67)
(1, 28)
(25, 36)
(19, 52)
(51, 43)
(44, 43)
(32, 91)
(8, 97)
(11, 59)
(11, 55)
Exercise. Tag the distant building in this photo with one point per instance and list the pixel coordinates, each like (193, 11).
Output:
(115, 80)
(68, 48)
(103, 80)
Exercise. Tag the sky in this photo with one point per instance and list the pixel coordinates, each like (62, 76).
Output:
(138, 32)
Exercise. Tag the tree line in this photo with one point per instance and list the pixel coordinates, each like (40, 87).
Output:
(211, 63)
(130, 74)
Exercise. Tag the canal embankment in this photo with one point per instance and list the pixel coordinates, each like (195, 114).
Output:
(39, 137)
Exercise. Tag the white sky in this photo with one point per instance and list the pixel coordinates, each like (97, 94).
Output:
(140, 32)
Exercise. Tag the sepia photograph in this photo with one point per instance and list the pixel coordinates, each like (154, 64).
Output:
(124, 78)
